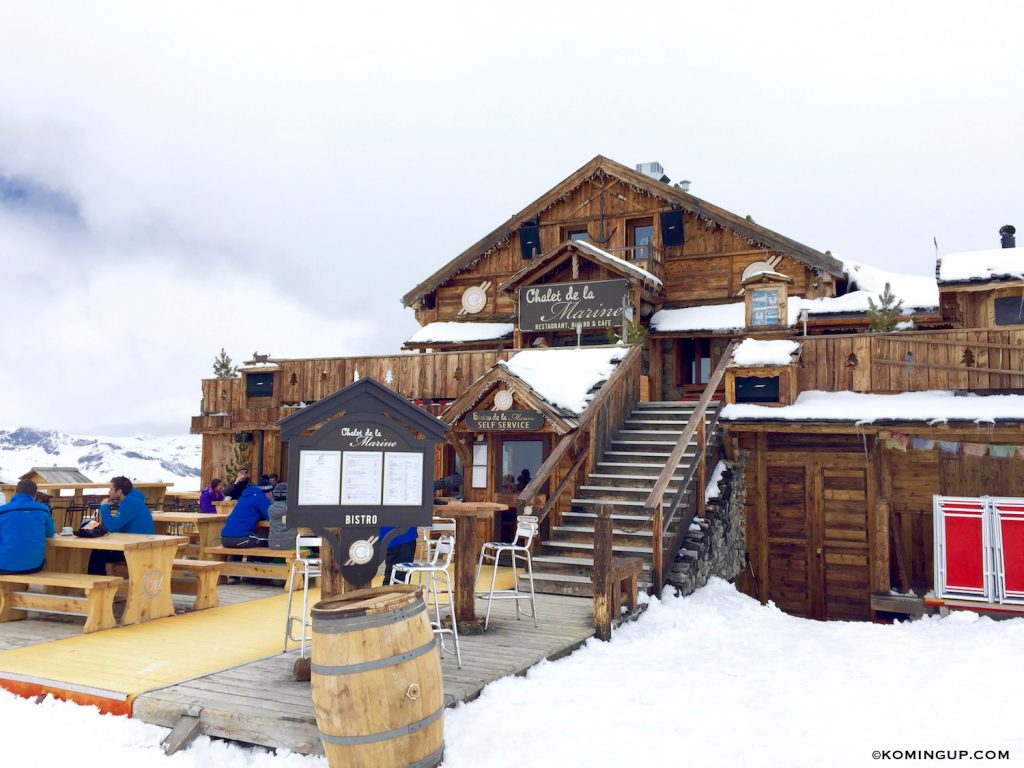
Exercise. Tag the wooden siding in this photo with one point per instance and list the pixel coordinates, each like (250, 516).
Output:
(899, 362)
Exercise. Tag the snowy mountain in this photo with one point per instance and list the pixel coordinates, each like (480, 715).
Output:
(146, 459)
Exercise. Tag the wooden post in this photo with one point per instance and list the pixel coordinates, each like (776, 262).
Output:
(702, 467)
(602, 574)
(332, 582)
(654, 369)
(657, 549)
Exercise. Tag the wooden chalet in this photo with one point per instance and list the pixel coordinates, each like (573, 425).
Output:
(836, 514)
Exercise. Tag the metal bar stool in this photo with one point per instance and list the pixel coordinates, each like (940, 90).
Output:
(310, 566)
(519, 552)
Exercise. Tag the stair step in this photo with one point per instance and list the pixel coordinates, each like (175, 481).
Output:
(645, 478)
(615, 532)
(641, 433)
(647, 454)
(622, 489)
(667, 422)
(589, 516)
(630, 464)
(561, 560)
(590, 546)
(609, 502)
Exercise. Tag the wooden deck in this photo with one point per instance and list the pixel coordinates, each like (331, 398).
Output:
(234, 704)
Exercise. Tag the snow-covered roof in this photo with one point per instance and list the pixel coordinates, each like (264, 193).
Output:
(711, 317)
(437, 333)
(933, 407)
(565, 377)
(916, 291)
(627, 266)
(994, 264)
(766, 272)
(759, 352)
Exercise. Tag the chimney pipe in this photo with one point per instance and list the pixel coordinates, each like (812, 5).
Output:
(1006, 235)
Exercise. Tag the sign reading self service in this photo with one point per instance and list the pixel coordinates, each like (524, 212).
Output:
(505, 421)
(566, 306)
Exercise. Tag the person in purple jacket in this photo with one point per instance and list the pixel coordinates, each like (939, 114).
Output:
(210, 494)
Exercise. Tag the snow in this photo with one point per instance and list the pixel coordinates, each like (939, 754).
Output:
(565, 377)
(452, 332)
(758, 352)
(712, 491)
(145, 459)
(916, 291)
(981, 265)
(628, 266)
(710, 317)
(697, 677)
(936, 406)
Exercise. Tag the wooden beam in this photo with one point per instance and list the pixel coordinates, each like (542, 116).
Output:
(602, 573)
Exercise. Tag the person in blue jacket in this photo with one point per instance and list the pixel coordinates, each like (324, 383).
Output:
(401, 549)
(25, 525)
(131, 516)
(239, 529)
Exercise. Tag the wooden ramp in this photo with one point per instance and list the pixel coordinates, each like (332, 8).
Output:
(261, 703)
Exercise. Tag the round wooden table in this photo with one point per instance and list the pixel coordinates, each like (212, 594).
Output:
(466, 514)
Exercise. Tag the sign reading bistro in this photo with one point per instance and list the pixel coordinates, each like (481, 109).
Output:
(505, 421)
(564, 306)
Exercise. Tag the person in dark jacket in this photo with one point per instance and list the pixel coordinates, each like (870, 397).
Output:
(281, 536)
(239, 529)
(210, 494)
(242, 481)
(25, 525)
(131, 516)
(401, 549)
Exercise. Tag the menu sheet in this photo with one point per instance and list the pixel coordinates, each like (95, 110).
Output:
(319, 477)
(361, 477)
(403, 478)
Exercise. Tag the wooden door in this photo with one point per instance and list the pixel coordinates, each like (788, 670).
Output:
(844, 544)
(790, 578)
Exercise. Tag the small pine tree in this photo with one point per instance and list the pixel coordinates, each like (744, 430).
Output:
(883, 316)
(239, 460)
(223, 368)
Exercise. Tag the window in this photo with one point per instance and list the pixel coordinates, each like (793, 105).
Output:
(520, 460)
(764, 307)
(640, 238)
(259, 384)
(578, 235)
(757, 389)
(693, 362)
(1010, 310)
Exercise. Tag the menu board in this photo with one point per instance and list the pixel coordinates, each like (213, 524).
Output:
(403, 478)
(361, 477)
(319, 477)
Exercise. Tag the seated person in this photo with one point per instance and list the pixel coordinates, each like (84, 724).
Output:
(281, 536)
(131, 516)
(523, 480)
(25, 525)
(210, 494)
(239, 529)
(235, 489)
(401, 549)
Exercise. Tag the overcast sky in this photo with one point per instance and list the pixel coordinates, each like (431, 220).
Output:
(273, 177)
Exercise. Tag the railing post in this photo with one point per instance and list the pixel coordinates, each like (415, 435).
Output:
(702, 467)
(657, 550)
(601, 574)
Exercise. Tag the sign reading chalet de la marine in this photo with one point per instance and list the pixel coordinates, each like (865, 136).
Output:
(505, 421)
(566, 306)
(363, 467)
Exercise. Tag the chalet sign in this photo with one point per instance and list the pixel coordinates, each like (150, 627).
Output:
(505, 421)
(568, 306)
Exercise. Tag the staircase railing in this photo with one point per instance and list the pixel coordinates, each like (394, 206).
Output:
(663, 516)
(598, 425)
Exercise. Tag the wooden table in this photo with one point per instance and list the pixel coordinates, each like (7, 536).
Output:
(206, 525)
(466, 514)
(149, 560)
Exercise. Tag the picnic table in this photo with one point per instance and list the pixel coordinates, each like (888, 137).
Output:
(466, 547)
(207, 526)
(149, 559)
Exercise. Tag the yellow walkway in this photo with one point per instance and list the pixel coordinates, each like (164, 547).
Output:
(111, 667)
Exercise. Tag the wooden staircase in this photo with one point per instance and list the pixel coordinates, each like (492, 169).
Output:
(622, 479)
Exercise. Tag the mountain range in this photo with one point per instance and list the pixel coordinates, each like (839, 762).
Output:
(145, 459)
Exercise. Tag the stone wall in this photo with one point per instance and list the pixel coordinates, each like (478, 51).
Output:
(716, 544)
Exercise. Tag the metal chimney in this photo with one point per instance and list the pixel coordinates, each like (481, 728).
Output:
(654, 170)
(1006, 235)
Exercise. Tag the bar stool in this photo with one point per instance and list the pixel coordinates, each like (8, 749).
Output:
(310, 567)
(434, 570)
(519, 551)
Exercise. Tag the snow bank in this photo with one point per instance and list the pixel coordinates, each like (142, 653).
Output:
(981, 265)
(758, 352)
(712, 491)
(452, 332)
(932, 406)
(564, 377)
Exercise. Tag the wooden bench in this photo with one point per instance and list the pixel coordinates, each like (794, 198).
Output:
(97, 606)
(625, 573)
(206, 574)
(255, 570)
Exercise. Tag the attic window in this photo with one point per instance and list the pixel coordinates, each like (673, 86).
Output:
(1010, 310)
(259, 384)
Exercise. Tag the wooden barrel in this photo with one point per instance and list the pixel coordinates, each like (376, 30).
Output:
(376, 679)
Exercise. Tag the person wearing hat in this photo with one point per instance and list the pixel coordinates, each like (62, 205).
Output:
(239, 531)
(281, 536)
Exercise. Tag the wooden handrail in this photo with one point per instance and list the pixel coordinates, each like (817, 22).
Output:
(653, 506)
(620, 375)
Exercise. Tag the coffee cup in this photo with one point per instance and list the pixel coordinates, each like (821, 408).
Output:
(66, 531)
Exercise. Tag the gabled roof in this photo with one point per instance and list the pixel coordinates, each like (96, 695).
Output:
(591, 252)
(992, 265)
(671, 195)
(57, 475)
